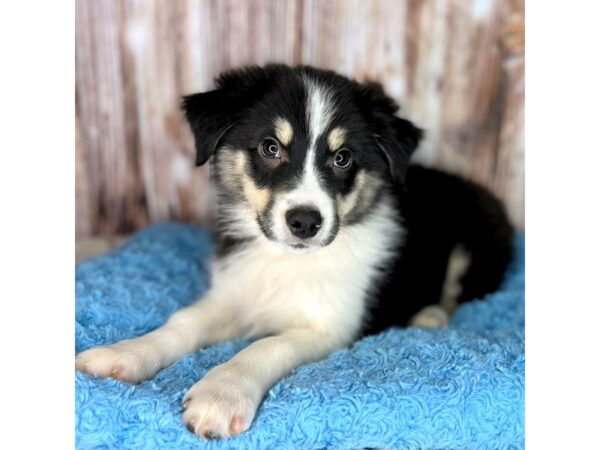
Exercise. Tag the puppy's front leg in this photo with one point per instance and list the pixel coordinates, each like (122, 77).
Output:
(206, 322)
(224, 402)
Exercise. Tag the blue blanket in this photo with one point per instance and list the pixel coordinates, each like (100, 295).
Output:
(461, 387)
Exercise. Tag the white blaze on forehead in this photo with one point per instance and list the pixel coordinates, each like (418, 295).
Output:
(319, 110)
(309, 192)
(283, 130)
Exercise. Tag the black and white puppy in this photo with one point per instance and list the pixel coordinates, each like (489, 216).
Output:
(324, 233)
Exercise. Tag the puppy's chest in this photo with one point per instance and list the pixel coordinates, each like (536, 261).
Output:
(279, 291)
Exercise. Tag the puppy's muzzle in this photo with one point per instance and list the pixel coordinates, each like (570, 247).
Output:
(304, 222)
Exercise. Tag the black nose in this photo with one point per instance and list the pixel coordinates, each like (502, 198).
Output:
(303, 222)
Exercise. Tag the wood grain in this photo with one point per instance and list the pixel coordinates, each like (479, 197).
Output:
(455, 66)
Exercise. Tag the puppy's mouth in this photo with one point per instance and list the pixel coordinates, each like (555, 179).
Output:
(293, 245)
(288, 242)
(298, 228)
(303, 247)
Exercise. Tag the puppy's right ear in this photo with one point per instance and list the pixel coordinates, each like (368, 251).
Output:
(207, 114)
(213, 113)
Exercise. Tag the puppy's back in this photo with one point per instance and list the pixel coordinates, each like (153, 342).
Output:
(445, 217)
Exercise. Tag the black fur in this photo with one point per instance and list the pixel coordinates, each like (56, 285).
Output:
(253, 97)
(438, 210)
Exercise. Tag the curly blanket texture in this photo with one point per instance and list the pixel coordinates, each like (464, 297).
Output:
(461, 387)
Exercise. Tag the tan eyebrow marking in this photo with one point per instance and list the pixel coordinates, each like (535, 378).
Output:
(283, 130)
(257, 197)
(336, 138)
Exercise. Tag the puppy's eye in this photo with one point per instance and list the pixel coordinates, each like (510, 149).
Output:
(270, 149)
(342, 159)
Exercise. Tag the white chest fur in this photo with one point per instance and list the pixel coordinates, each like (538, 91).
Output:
(273, 290)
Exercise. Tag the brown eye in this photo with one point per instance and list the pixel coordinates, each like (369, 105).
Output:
(342, 159)
(270, 149)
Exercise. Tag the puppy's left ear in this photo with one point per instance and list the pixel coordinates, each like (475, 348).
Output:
(398, 144)
(397, 138)
(209, 116)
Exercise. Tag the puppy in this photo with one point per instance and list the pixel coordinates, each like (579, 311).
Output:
(323, 231)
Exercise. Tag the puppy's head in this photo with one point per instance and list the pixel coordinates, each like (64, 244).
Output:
(298, 152)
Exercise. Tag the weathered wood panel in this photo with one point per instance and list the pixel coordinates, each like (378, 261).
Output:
(456, 67)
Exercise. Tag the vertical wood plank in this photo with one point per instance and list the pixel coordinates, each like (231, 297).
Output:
(509, 179)
(84, 199)
(100, 105)
(471, 92)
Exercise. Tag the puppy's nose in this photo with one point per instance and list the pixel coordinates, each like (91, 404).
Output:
(303, 222)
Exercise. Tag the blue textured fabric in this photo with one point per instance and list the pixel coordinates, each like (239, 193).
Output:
(461, 387)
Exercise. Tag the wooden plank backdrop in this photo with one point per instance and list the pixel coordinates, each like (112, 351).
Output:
(455, 66)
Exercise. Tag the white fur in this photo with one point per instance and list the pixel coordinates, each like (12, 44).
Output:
(308, 304)
(309, 192)
(432, 316)
(322, 287)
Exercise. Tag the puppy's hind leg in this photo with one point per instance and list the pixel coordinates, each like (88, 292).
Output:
(206, 322)
(438, 316)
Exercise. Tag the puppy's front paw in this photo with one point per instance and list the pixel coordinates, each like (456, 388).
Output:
(220, 405)
(124, 361)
